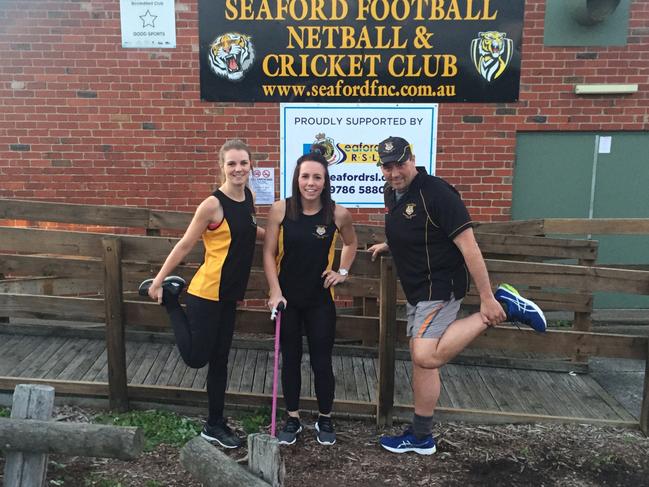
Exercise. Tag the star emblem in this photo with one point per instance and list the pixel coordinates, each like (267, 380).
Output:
(148, 20)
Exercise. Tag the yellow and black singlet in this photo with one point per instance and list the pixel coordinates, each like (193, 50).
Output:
(223, 276)
(305, 250)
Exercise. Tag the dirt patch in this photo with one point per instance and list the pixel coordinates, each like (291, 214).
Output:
(468, 455)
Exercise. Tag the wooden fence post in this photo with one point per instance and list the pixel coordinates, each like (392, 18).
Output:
(24, 469)
(3, 319)
(583, 319)
(387, 332)
(114, 306)
(644, 409)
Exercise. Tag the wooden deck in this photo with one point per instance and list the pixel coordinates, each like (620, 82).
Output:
(466, 387)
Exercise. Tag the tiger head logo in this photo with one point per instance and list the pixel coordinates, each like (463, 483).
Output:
(320, 231)
(231, 55)
(491, 53)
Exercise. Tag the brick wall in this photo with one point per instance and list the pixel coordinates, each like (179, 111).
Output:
(85, 121)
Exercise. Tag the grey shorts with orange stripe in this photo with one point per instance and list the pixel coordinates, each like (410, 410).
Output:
(430, 319)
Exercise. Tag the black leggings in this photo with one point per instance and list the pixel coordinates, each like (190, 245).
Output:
(320, 326)
(204, 335)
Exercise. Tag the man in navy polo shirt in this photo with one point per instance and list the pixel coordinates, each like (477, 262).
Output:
(429, 233)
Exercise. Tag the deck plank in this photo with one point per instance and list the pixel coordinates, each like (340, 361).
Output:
(150, 355)
(169, 367)
(268, 382)
(260, 372)
(351, 391)
(159, 363)
(95, 368)
(402, 389)
(501, 388)
(237, 370)
(251, 370)
(559, 402)
(360, 379)
(200, 381)
(41, 354)
(17, 353)
(248, 373)
(178, 372)
(370, 374)
(527, 389)
(188, 377)
(64, 357)
(231, 356)
(339, 374)
(80, 365)
(131, 349)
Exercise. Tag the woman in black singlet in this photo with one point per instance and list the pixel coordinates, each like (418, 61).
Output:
(298, 256)
(226, 222)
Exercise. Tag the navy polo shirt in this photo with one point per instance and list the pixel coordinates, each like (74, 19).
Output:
(420, 229)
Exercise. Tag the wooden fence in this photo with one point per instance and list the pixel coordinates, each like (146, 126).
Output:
(91, 277)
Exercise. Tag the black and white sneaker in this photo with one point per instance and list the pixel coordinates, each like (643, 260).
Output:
(174, 285)
(221, 434)
(292, 428)
(325, 433)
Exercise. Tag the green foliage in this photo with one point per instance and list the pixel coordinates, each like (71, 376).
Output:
(4, 413)
(158, 426)
(258, 419)
(95, 480)
(560, 324)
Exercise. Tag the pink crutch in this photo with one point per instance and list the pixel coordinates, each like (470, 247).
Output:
(278, 319)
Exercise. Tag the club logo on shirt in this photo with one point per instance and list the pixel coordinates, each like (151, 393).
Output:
(409, 212)
(320, 231)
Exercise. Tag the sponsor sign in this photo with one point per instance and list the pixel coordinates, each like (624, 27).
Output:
(351, 133)
(398, 51)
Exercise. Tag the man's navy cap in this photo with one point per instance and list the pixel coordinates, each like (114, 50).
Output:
(394, 149)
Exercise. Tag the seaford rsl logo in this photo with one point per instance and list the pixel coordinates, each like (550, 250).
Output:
(409, 212)
(332, 153)
(491, 53)
(320, 231)
(345, 152)
(231, 55)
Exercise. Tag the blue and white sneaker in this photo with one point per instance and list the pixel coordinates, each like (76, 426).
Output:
(408, 442)
(520, 309)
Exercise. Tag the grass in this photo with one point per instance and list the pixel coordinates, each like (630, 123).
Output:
(97, 481)
(4, 413)
(158, 426)
(253, 422)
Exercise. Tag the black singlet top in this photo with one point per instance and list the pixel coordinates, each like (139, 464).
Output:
(305, 250)
(229, 248)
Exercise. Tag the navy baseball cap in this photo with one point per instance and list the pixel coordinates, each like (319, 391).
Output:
(394, 149)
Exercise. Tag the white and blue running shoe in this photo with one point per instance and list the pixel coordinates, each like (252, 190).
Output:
(408, 442)
(520, 309)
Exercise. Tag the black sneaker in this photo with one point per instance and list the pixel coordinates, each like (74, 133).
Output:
(221, 434)
(325, 433)
(292, 428)
(172, 284)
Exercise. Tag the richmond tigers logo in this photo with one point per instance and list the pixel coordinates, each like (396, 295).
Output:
(231, 55)
(491, 53)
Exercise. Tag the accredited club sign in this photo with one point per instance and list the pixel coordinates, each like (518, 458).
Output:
(350, 133)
